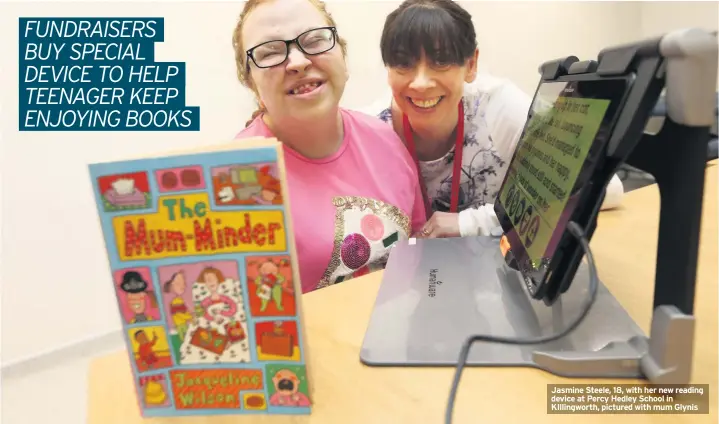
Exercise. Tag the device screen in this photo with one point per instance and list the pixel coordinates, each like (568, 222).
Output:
(565, 135)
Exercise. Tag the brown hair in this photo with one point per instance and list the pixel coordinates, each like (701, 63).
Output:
(243, 67)
(168, 284)
(278, 262)
(210, 270)
(153, 299)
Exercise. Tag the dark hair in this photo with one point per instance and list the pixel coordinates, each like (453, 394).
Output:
(132, 282)
(441, 29)
(168, 283)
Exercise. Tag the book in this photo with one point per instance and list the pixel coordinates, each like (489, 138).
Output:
(203, 265)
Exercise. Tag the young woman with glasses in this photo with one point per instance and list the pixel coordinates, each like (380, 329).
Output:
(461, 127)
(354, 189)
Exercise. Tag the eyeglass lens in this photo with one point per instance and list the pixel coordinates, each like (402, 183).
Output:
(273, 53)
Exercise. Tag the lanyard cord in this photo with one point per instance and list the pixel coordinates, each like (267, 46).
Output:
(457, 168)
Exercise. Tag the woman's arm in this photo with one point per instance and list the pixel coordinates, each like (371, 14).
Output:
(506, 115)
(477, 222)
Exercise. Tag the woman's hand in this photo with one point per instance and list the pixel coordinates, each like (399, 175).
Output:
(441, 224)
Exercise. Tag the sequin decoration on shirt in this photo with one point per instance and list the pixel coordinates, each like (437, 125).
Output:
(365, 231)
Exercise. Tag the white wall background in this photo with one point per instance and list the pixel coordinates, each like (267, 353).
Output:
(56, 286)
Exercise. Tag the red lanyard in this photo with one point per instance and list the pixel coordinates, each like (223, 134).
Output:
(456, 172)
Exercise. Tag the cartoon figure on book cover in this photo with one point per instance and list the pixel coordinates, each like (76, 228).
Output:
(208, 322)
(180, 314)
(217, 307)
(271, 285)
(288, 386)
(150, 346)
(138, 301)
(146, 356)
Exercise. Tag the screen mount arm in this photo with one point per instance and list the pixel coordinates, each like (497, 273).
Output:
(684, 64)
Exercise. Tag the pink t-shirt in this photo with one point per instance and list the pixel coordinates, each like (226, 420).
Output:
(349, 208)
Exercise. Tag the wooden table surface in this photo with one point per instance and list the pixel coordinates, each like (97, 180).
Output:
(347, 392)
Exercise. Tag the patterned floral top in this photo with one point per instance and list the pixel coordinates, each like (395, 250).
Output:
(495, 111)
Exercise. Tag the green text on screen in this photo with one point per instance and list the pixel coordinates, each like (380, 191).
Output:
(546, 167)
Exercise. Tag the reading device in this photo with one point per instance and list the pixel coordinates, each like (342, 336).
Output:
(685, 63)
(559, 170)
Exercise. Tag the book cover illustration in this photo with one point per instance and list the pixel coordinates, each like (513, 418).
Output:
(205, 281)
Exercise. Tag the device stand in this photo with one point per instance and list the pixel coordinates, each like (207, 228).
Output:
(607, 344)
(665, 357)
(680, 179)
(676, 157)
(483, 295)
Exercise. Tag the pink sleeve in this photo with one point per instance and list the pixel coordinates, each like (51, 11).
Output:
(274, 399)
(206, 303)
(230, 304)
(304, 400)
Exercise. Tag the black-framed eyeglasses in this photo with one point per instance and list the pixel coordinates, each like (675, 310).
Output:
(313, 42)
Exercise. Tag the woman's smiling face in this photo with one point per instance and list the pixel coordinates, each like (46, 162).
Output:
(428, 92)
(430, 51)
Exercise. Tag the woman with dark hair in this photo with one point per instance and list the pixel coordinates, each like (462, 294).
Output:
(461, 127)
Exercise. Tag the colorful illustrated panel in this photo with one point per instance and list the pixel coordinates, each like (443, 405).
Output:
(180, 179)
(255, 184)
(214, 388)
(150, 347)
(206, 312)
(123, 192)
(153, 391)
(271, 286)
(287, 385)
(277, 341)
(138, 301)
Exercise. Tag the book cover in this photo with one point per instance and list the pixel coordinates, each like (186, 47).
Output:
(203, 266)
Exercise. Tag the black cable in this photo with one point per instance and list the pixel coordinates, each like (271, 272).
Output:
(578, 233)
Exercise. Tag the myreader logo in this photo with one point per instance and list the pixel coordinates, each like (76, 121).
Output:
(99, 74)
(433, 282)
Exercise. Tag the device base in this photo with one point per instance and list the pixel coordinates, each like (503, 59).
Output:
(484, 296)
